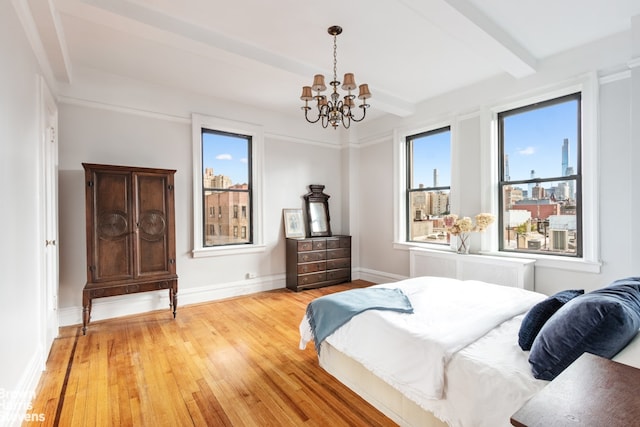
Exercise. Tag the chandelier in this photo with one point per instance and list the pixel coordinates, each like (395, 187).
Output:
(334, 111)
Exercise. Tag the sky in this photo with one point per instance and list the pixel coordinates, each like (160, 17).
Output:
(528, 144)
(433, 151)
(227, 155)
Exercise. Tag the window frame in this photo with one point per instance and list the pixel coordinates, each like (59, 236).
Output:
(587, 85)
(249, 191)
(200, 122)
(410, 186)
(576, 177)
(400, 177)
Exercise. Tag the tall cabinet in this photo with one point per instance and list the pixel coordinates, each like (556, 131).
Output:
(130, 226)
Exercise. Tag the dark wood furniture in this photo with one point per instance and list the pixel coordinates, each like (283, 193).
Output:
(318, 261)
(130, 225)
(593, 391)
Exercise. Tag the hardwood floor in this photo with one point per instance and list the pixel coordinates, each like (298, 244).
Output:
(234, 362)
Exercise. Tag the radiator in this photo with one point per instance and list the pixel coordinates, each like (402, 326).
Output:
(516, 272)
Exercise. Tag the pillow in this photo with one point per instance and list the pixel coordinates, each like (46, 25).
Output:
(540, 313)
(601, 322)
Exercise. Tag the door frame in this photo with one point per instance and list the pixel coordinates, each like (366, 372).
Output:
(49, 259)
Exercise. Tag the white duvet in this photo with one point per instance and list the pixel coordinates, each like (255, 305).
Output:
(411, 351)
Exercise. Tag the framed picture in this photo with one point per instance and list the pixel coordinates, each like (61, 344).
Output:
(293, 223)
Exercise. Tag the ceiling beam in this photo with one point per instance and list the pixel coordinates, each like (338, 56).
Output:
(188, 32)
(52, 38)
(465, 22)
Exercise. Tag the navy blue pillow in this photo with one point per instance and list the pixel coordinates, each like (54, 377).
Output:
(540, 313)
(601, 322)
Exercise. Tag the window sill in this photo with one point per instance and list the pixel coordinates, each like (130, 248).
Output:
(434, 246)
(544, 261)
(227, 250)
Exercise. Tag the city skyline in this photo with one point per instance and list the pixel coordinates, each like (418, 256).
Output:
(531, 146)
(528, 145)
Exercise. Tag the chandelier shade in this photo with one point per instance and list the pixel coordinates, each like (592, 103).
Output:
(335, 109)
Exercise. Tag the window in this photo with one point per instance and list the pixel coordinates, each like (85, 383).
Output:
(227, 161)
(540, 177)
(428, 184)
(226, 183)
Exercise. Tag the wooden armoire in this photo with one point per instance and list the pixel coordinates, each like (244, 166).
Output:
(130, 220)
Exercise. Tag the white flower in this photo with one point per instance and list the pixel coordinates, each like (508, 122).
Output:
(456, 225)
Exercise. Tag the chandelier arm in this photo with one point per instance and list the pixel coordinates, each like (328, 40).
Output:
(346, 123)
(364, 114)
(306, 115)
(325, 121)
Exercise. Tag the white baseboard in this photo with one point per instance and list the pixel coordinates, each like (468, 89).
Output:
(379, 276)
(125, 305)
(16, 404)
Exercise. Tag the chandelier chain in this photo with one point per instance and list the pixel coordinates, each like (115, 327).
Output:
(335, 59)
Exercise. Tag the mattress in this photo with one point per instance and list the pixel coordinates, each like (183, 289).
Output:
(484, 376)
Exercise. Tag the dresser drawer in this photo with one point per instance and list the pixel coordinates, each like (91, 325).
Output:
(308, 279)
(343, 273)
(311, 267)
(312, 256)
(332, 264)
(338, 253)
(312, 245)
(338, 242)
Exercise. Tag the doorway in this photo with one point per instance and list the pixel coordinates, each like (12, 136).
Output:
(49, 216)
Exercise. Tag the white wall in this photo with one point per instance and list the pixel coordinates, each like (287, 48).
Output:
(100, 133)
(112, 119)
(463, 110)
(22, 356)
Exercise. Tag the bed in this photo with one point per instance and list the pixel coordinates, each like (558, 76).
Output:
(465, 369)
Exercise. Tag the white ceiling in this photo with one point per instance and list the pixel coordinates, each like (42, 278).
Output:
(261, 53)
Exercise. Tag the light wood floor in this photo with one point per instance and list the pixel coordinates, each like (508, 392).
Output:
(226, 363)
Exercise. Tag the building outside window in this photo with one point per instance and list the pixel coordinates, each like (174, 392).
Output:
(540, 176)
(428, 185)
(226, 183)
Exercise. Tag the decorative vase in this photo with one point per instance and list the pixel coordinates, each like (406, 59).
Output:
(463, 243)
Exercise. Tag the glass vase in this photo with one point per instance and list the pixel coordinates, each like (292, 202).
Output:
(463, 243)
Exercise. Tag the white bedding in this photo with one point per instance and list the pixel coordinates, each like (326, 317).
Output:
(449, 314)
(456, 356)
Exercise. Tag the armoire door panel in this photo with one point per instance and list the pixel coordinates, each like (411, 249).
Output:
(152, 258)
(113, 219)
(152, 224)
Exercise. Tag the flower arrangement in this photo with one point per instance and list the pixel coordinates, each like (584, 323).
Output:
(461, 227)
(456, 225)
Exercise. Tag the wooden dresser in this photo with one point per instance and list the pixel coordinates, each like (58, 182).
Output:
(591, 392)
(318, 261)
(130, 226)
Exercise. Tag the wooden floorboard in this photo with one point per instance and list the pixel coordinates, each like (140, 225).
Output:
(233, 362)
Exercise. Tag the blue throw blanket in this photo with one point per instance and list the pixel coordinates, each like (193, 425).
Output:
(328, 313)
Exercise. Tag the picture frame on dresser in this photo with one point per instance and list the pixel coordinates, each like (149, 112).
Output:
(293, 223)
